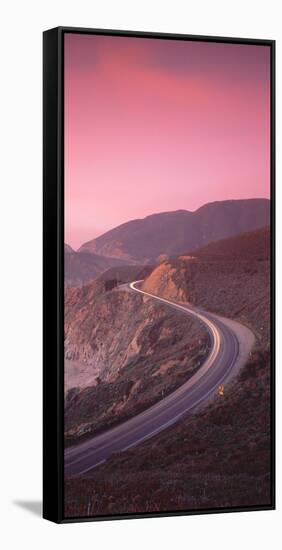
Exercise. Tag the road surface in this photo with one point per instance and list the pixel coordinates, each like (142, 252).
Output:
(230, 345)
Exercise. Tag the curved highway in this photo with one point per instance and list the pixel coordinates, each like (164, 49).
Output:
(223, 356)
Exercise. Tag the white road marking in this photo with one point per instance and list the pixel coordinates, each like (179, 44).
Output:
(216, 337)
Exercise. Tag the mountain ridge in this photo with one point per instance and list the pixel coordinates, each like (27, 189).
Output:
(175, 232)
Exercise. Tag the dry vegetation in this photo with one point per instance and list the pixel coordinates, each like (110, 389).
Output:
(131, 365)
(230, 277)
(219, 456)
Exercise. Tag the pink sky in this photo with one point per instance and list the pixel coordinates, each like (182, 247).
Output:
(158, 125)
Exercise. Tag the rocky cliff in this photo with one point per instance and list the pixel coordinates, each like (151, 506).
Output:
(123, 353)
(229, 277)
(218, 456)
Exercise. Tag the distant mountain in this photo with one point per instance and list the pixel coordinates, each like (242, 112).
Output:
(82, 267)
(175, 233)
(68, 248)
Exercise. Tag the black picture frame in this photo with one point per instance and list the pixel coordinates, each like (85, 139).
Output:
(53, 269)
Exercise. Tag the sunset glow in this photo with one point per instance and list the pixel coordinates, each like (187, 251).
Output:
(158, 125)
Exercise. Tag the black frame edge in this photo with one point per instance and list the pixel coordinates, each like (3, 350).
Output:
(165, 35)
(52, 254)
(273, 266)
(53, 270)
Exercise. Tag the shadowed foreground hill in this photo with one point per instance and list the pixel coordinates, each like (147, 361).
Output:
(254, 245)
(177, 232)
(220, 455)
(216, 458)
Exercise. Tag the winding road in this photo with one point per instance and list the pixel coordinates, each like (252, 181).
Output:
(231, 343)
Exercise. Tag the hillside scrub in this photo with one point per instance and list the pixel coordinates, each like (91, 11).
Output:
(219, 457)
(137, 357)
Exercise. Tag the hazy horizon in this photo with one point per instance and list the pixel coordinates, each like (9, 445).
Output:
(156, 213)
(161, 125)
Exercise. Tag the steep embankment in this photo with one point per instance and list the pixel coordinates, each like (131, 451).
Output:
(220, 456)
(229, 277)
(122, 353)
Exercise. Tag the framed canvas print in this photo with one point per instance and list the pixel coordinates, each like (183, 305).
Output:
(158, 274)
